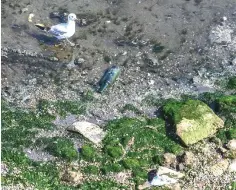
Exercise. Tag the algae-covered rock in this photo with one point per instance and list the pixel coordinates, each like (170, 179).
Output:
(193, 119)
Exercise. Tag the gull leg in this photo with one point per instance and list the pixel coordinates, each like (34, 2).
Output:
(72, 44)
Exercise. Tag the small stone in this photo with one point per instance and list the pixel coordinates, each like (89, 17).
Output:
(53, 59)
(74, 177)
(180, 167)
(169, 158)
(189, 158)
(232, 144)
(151, 82)
(232, 166)
(234, 61)
(24, 10)
(219, 168)
(224, 18)
(4, 169)
(31, 15)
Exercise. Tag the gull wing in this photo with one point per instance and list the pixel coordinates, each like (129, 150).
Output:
(58, 30)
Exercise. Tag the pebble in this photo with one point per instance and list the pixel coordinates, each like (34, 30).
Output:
(232, 166)
(169, 158)
(232, 144)
(189, 158)
(73, 176)
(234, 61)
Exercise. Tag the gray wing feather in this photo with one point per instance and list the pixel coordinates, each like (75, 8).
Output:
(58, 30)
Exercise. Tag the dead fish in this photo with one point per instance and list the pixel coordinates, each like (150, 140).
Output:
(108, 78)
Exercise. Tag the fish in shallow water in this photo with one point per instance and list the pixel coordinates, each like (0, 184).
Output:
(108, 78)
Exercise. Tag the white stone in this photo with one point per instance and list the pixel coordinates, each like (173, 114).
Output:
(172, 173)
(232, 144)
(234, 61)
(151, 82)
(224, 18)
(89, 130)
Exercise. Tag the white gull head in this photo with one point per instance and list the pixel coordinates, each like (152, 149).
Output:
(72, 17)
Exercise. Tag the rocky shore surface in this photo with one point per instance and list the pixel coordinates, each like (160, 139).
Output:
(165, 49)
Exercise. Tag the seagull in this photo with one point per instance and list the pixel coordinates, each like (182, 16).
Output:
(63, 30)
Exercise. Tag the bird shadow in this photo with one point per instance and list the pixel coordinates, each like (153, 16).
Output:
(42, 38)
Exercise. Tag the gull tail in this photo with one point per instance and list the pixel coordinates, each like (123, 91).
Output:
(42, 27)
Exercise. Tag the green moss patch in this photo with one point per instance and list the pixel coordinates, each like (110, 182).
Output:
(112, 167)
(62, 148)
(131, 144)
(91, 170)
(227, 104)
(227, 109)
(19, 130)
(149, 141)
(232, 83)
(114, 151)
(131, 163)
(88, 152)
(101, 185)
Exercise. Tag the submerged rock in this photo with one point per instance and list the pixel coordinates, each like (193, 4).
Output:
(194, 120)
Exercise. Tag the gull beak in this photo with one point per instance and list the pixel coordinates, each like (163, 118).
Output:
(76, 19)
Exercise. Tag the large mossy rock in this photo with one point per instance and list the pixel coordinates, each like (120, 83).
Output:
(193, 119)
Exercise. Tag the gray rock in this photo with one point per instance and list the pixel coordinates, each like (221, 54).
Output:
(89, 130)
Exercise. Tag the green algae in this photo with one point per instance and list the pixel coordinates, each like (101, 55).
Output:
(19, 130)
(114, 151)
(62, 148)
(88, 153)
(231, 83)
(112, 167)
(91, 170)
(226, 107)
(131, 163)
(102, 185)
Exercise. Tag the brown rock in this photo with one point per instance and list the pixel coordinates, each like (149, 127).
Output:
(169, 158)
(74, 177)
(188, 158)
